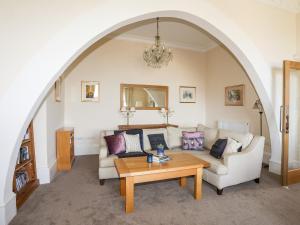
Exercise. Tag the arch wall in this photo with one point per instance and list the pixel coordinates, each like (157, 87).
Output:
(40, 72)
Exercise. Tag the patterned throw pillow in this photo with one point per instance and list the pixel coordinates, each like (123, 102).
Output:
(192, 140)
(132, 143)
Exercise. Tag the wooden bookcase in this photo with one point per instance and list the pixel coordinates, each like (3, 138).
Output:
(65, 148)
(26, 168)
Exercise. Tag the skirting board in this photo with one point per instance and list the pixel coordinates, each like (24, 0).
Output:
(46, 174)
(8, 210)
(275, 167)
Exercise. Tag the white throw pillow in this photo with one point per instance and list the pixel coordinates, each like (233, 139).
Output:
(232, 146)
(244, 138)
(132, 142)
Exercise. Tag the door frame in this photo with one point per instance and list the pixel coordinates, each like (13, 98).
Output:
(287, 176)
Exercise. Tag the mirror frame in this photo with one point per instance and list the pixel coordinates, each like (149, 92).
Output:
(165, 88)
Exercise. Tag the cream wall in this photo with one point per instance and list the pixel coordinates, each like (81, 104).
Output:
(48, 119)
(222, 71)
(270, 28)
(117, 62)
(298, 36)
(54, 40)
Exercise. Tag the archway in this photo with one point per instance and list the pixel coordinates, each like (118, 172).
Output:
(49, 63)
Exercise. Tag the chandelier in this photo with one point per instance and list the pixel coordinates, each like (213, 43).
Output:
(157, 55)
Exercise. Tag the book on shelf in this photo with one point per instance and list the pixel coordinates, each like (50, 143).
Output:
(27, 135)
(160, 159)
(22, 179)
(23, 154)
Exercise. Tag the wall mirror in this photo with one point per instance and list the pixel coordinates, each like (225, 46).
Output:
(144, 97)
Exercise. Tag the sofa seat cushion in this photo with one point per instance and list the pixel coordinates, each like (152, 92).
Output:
(108, 161)
(216, 165)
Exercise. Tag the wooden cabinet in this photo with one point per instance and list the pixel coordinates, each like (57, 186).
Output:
(25, 179)
(65, 148)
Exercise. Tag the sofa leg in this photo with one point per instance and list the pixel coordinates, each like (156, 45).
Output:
(101, 181)
(219, 191)
(257, 180)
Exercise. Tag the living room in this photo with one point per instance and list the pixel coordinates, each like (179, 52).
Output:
(209, 69)
(203, 65)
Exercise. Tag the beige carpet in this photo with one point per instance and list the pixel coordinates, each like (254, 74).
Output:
(76, 198)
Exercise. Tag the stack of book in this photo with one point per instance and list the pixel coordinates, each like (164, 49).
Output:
(24, 154)
(21, 179)
(160, 159)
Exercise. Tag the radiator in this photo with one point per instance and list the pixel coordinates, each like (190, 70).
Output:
(242, 127)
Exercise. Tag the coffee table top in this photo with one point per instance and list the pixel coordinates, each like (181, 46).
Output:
(135, 166)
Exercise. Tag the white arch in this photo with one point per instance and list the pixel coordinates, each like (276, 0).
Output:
(49, 63)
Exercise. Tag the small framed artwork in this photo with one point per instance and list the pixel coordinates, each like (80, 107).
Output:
(57, 91)
(187, 94)
(234, 95)
(90, 91)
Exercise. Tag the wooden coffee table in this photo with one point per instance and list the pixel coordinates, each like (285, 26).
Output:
(136, 170)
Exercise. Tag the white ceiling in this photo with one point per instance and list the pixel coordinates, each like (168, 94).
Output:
(173, 32)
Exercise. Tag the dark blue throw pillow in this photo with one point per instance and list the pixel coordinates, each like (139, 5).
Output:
(218, 148)
(133, 131)
(156, 139)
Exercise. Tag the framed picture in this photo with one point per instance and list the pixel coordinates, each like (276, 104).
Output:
(234, 95)
(187, 94)
(90, 91)
(57, 91)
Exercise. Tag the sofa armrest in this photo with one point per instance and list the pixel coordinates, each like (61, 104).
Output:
(103, 152)
(249, 161)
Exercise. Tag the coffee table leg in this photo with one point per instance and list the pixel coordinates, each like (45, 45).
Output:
(182, 181)
(122, 186)
(198, 184)
(129, 201)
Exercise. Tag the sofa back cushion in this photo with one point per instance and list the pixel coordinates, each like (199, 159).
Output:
(244, 138)
(146, 132)
(210, 135)
(174, 137)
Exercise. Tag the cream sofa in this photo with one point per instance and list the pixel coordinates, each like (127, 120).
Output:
(234, 168)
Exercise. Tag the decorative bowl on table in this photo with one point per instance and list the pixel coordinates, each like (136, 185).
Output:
(160, 150)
